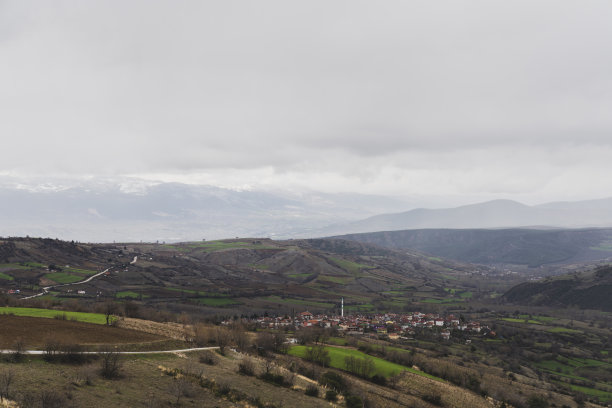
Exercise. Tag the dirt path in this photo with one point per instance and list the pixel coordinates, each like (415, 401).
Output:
(121, 352)
(47, 288)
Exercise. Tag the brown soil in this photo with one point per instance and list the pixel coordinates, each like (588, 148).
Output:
(171, 330)
(35, 332)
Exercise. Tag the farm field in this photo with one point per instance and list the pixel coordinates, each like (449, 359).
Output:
(34, 332)
(381, 367)
(96, 318)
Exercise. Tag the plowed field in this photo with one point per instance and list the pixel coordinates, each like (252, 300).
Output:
(35, 332)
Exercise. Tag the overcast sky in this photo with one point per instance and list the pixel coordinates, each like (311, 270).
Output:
(467, 100)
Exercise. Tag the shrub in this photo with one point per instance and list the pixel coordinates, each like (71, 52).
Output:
(208, 358)
(110, 367)
(378, 379)
(353, 401)
(334, 381)
(331, 395)
(246, 367)
(276, 379)
(312, 390)
(434, 399)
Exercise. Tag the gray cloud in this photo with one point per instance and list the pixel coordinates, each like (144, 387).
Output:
(478, 97)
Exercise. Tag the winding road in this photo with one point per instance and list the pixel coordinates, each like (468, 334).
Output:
(120, 352)
(47, 288)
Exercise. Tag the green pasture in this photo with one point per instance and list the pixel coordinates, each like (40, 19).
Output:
(349, 266)
(563, 330)
(62, 277)
(218, 301)
(381, 367)
(291, 301)
(6, 277)
(96, 318)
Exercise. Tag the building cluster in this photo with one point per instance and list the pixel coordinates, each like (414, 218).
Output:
(394, 325)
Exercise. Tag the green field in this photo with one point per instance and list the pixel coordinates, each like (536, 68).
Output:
(5, 276)
(212, 246)
(96, 318)
(218, 301)
(291, 301)
(62, 277)
(127, 294)
(563, 330)
(517, 320)
(349, 266)
(381, 367)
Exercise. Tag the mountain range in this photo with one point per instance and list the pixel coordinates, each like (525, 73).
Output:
(98, 211)
(490, 214)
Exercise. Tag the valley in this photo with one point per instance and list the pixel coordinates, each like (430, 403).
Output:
(435, 332)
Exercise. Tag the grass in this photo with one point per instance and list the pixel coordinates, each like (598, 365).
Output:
(336, 279)
(62, 277)
(96, 318)
(86, 272)
(127, 294)
(603, 396)
(6, 277)
(518, 320)
(291, 301)
(218, 301)
(439, 301)
(212, 246)
(349, 266)
(381, 367)
(299, 275)
(563, 330)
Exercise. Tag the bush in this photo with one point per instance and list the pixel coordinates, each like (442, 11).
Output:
(331, 395)
(378, 379)
(110, 367)
(353, 401)
(312, 390)
(246, 367)
(537, 401)
(334, 381)
(434, 399)
(276, 379)
(208, 358)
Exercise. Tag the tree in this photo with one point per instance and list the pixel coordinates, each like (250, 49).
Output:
(110, 364)
(110, 309)
(222, 338)
(7, 377)
(318, 354)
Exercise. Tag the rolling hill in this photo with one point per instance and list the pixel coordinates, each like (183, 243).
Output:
(586, 290)
(491, 214)
(529, 247)
(235, 276)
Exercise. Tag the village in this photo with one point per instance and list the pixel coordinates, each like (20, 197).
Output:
(392, 325)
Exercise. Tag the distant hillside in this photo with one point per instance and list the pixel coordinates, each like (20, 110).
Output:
(587, 290)
(238, 275)
(174, 212)
(491, 214)
(528, 247)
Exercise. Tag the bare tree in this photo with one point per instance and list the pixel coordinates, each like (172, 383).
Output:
(222, 338)
(179, 388)
(110, 364)
(110, 309)
(7, 377)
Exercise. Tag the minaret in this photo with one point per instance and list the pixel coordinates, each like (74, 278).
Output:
(342, 308)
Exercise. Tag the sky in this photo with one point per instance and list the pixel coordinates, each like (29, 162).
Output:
(457, 101)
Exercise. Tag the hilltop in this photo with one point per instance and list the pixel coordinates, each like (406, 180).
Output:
(235, 276)
(528, 247)
(585, 290)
